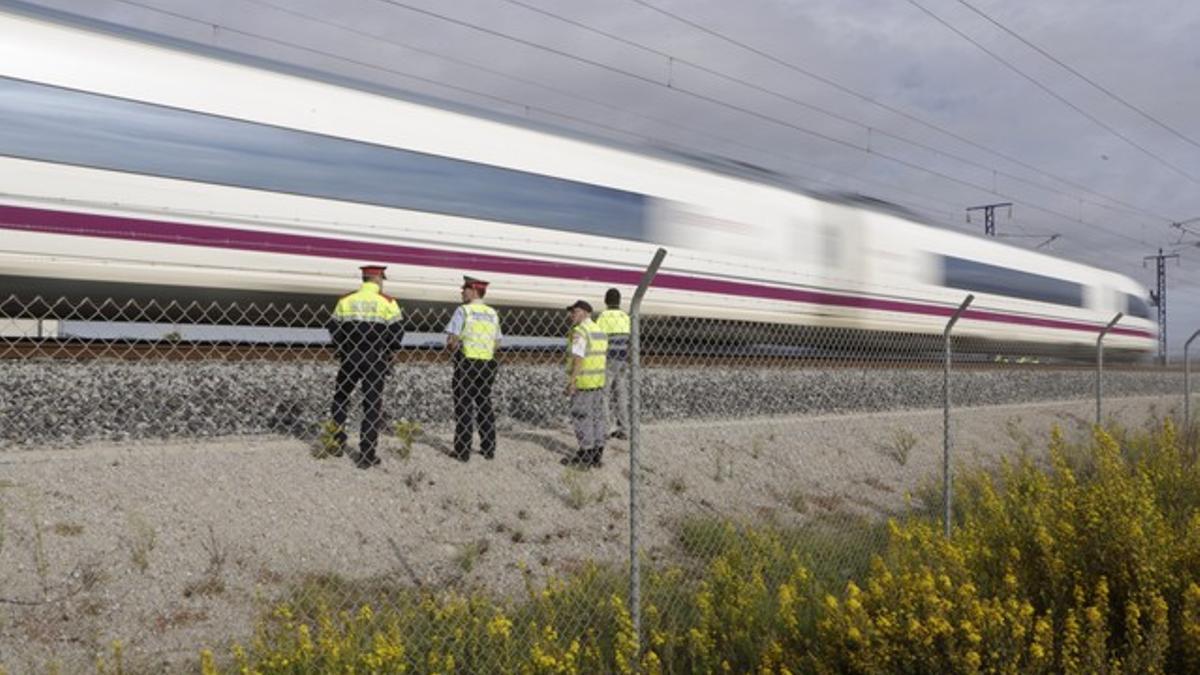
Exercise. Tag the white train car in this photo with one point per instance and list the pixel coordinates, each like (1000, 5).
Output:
(134, 168)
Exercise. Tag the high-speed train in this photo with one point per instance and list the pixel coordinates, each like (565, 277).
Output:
(136, 167)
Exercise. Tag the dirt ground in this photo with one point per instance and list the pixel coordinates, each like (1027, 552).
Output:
(172, 546)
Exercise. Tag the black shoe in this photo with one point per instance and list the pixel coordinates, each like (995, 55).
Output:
(489, 455)
(365, 460)
(621, 435)
(463, 457)
(594, 457)
(581, 459)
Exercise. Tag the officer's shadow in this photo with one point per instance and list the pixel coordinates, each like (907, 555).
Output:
(549, 443)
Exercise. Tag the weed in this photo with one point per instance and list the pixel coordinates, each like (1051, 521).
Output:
(797, 501)
(485, 507)
(677, 485)
(414, 479)
(757, 444)
(901, 445)
(141, 542)
(209, 585)
(722, 467)
(522, 515)
(1015, 430)
(577, 496)
(41, 563)
(470, 553)
(68, 529)
(91, 575)
(406, 432)
(517, 536)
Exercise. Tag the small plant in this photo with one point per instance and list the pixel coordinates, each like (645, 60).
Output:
(577, 496)
(330, 441)
(1015, 430)
(406, 432)
(68, 529)
(797, 501)
(901, 445)
(517, 536)
(757, 444)
(470, 553)
(209, 585)
(414, 479)
(141, 542)
(677, 485)
(485, 507)
(522, 515)
(722, 466)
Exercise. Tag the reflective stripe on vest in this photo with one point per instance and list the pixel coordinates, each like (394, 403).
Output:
(367, 304)
(480, 327)
(615, 323)
(591, 375)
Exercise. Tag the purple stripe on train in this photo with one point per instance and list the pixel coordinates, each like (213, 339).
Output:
(158, 231)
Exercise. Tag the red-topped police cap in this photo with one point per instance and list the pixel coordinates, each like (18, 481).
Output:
(478, 284)
(373, 271)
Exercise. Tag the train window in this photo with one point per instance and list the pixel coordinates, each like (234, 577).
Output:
(1136, 307)
(51, 124)
(969, 275)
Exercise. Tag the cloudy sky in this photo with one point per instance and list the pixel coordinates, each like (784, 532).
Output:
(1081, 112)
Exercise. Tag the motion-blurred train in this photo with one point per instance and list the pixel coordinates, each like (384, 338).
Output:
(136, 167)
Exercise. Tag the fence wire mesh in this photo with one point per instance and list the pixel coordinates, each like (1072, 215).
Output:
(180, 477)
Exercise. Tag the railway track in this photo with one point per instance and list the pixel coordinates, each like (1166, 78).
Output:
(17, 350)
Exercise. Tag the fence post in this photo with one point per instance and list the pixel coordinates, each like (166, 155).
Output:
(946, 409)
(635, 423)
(1100, 365)
(1187, 387)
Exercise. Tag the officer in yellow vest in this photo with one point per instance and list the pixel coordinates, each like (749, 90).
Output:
(587, 350)
(472, 336)
(615, 323)
(366, 329)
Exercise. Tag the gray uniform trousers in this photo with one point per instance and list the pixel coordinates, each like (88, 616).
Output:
(589, 418)
(617, 391)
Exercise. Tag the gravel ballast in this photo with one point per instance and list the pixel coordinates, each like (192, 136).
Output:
(61, 402)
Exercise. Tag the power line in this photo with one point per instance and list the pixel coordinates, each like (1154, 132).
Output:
(673, 124)
(749, 112)
(1095, 120)
(884, 106)
(520, 105)
(1159, 123)
(526, 107)
(673, 60)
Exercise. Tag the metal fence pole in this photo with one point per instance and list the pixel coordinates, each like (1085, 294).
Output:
(946, 409)
(1100, 365)
(635, 423)
(1187, 386)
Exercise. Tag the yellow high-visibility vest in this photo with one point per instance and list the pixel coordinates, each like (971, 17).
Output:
(613, 322)
(367, 304)
(481, 324)
(591, 376)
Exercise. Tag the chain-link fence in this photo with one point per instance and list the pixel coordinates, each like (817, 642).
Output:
(226, 476)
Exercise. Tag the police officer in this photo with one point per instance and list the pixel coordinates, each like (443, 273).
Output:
(615, 323)
(366, 330)
(587, 349)
(472, 336)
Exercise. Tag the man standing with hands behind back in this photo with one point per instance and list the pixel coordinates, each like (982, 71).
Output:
(587, 349)
(472, 336)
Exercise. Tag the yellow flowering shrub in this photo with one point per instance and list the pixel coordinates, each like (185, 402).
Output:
(1086, 561)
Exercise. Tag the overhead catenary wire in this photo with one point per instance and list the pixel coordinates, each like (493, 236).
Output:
(1065, 66)
(752, 113)
(1059, 97)
(885, 106)
(673, 124)
(526, 107)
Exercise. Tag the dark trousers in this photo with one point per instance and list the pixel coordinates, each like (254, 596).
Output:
(369, 375)
(472, 388)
